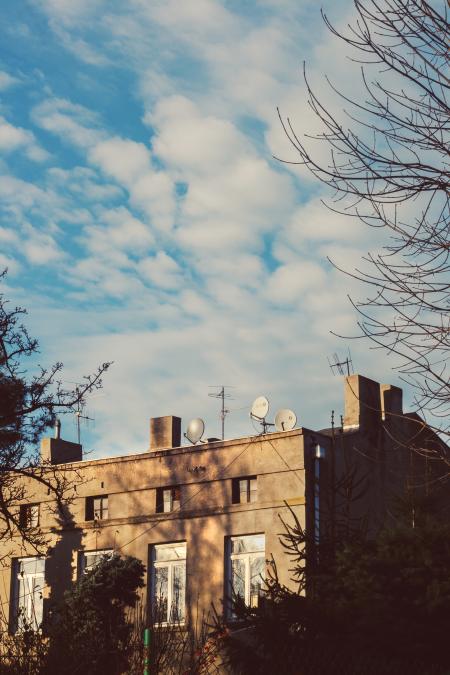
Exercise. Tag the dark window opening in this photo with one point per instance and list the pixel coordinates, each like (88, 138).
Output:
(97, 508)
(168, 499)
(244, 490)
(29, 515)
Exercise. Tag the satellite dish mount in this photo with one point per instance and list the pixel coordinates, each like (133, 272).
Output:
(195, 430)
(285, 419)
(259, 410)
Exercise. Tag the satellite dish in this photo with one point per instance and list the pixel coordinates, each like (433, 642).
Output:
(195, 429)
(260, 407)
(285, 420)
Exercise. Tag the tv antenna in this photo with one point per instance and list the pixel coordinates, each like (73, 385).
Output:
(341, 366)
(195, 430)
(79, 416)
(222, 395)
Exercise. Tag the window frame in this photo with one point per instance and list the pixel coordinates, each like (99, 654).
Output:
(247, 557)
(82, 569)
(169, 565)
(174, 501)
(30, 592)
(237, 492)
(101, 513)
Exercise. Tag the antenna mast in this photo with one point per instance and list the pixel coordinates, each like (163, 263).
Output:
(79, 417)
(222, 395)
(343, 367)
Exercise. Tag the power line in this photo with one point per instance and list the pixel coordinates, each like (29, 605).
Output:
(205, 482)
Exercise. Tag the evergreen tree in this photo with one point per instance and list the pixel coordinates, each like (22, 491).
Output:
(90, 633)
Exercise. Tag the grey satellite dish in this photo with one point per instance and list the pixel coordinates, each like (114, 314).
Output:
(285, 420)
(260, 408)
(195, 429)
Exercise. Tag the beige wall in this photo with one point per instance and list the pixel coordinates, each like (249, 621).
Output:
(207, 516)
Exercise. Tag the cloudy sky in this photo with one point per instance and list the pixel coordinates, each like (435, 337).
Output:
(145, 221)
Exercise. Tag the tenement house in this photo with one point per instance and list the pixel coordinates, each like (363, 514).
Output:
(204, 518)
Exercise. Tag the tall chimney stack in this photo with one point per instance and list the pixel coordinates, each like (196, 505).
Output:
(165, 432)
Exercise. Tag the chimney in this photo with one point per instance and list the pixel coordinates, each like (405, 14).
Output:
(391, 402)
(362, 403)
(165, 432)
(58, 451)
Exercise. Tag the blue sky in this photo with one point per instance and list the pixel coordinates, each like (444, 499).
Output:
(145, 221)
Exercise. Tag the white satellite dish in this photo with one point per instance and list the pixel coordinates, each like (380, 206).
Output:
(285, 420)
(260, 408)
(195, 429)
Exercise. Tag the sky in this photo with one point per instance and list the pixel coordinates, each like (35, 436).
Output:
(146, 218)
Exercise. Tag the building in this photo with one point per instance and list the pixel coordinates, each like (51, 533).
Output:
(205, 518)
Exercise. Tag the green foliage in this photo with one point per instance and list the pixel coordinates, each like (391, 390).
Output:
(396, 591)
(381, 606)
(90, 633)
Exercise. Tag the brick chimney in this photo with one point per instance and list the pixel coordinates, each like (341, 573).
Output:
(391, 402)
(165, 432)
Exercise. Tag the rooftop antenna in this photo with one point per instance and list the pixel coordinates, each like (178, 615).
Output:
(222, 395)
(341, 366)
(79, 416)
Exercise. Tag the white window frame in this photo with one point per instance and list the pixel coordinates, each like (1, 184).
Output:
(248, 492)
(170, 565)
(170, 492)
(32, 597)
(82, 568)
(247, 557)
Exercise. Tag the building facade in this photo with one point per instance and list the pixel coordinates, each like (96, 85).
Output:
(205, 518)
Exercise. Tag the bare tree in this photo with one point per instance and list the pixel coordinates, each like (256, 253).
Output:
(389, 165)
(29, 403)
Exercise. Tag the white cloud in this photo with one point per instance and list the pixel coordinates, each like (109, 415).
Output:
(288, 283)
(161, 270)
(71, 122)
(150, 190)
(118, 235)
(9, 263)
(14, 138)
(84, 183)
(40, 248)
(189, 141)
(69, 13)
(7, 80)
(122, 159)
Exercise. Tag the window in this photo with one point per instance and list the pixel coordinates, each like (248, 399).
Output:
(245, 490)
(28, 587)
(169, 582)
(87, 560)
(97, 508)
(247, 568)
(318, 458)
(29, 515)
(168, 499)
